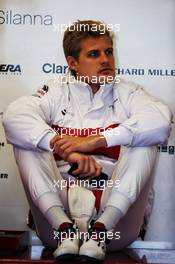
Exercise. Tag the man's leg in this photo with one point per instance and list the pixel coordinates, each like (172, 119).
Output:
(133, 170)
(42, 181)
(130, 224)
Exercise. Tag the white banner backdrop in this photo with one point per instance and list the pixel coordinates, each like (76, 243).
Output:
(31, 53)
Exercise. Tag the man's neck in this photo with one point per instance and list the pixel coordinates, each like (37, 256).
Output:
(95, 87)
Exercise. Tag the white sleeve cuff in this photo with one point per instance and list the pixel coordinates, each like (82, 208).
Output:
(118, 136)
(44, 143)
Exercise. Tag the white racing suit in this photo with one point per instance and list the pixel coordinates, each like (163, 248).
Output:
(132, 122)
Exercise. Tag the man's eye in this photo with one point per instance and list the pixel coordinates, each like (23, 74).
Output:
(93, 53)
(109, 52)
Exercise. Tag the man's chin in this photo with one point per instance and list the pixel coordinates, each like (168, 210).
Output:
(105, 78)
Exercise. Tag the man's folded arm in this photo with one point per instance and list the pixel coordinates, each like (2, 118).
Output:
(148, 123)
(26, 123)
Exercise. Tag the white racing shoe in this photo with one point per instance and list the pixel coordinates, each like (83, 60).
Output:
(68, 242)
(94, 247)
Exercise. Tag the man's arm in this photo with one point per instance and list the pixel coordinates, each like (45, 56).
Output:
(26, 121)
(148, 123)
(149, 120)
(64, 145)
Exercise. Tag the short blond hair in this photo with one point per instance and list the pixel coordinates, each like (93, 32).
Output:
(81, 30)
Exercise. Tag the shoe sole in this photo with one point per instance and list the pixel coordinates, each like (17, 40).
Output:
(88, 258)
(67, 257)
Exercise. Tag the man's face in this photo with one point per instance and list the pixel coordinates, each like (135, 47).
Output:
(96, 59)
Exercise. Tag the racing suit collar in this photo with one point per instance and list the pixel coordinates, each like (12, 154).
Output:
(85, 88)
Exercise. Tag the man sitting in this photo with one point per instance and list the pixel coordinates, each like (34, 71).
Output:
(92, 120)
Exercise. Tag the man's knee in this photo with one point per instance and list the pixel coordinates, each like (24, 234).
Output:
(23, 156)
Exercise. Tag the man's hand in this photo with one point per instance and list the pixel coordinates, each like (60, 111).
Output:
(87, 166)
(65, 145)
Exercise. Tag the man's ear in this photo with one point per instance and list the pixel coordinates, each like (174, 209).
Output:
(72, 62)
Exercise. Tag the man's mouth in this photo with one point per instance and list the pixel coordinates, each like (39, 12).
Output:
(106, 70)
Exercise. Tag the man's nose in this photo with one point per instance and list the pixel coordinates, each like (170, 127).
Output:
(104, 58)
